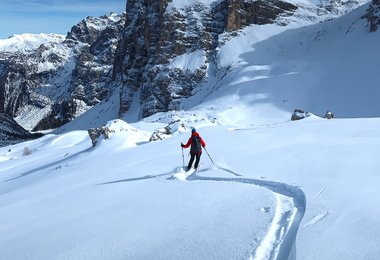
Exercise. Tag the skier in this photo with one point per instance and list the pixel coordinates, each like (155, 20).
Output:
(196, 143)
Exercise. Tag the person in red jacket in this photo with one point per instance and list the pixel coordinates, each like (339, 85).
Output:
(196, 143)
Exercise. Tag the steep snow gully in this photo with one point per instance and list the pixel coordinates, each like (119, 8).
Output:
(280, 240)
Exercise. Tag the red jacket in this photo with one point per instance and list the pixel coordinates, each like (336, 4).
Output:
(191, 139)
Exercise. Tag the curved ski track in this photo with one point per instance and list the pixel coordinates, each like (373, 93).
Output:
(280, 240)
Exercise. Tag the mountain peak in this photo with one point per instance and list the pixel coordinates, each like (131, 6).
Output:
(28, 42)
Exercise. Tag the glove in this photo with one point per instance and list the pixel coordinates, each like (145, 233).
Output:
(182, 145)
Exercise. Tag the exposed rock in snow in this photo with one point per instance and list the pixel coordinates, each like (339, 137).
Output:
(329, 115)
(95, 133)
(299, 114)
(243, 13)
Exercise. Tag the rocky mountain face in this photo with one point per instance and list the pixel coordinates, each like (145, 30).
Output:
(51, 85)
(142, 54)
(373, 15)
(155, 37)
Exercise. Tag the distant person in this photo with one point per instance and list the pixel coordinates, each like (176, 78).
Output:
(196, 143)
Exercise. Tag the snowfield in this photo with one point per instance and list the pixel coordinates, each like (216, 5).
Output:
(120, 200)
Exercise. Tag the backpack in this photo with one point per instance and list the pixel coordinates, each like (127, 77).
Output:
(196, 146)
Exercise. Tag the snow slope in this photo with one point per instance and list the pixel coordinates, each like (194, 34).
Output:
(270, 71)
(91, 204)
(120, 200)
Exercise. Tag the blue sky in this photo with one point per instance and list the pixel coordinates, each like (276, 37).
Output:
(50, 16)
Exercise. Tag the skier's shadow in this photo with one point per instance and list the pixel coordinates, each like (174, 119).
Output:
(171, 176)
(146, 177)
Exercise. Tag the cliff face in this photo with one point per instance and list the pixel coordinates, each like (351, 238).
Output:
(242, 13)
(373, 15)
(155, 38)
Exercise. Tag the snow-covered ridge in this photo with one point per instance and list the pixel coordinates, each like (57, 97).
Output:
(180, 4)
(28, 42)
(327, 9)
(103, 22)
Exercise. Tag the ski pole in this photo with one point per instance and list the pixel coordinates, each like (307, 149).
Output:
(183, 158)
(209, 156)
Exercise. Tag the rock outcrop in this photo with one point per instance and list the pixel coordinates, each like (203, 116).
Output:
(242, 13)
(329, 115)
(299, 114)
(95, 133)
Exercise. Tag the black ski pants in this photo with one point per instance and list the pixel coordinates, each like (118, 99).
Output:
(197, 156)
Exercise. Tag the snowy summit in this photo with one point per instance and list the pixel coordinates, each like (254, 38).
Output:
(28, 42)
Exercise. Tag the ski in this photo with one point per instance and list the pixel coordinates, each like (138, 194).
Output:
(182, 176)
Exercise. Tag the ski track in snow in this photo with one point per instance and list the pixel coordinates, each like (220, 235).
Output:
(258, 126)
(318, 218)
(320, 192)
(280, 240)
